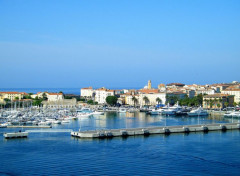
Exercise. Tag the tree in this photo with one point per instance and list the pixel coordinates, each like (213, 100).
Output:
(158, 100)
(211, 103)
(215, 102)
(16, 98)
(146, 100)
(44, 95)
(234, 104)
(226, 104)
(111, 100)
(134, 99)
(218, 105)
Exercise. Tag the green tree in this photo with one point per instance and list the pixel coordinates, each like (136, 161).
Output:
(111, 100)
(134, 99)
(44, 95)
(211, 103)
(146, 100)
(234, 104)
(226, 104)
(158, 100)
(16, 98)
(218, 105)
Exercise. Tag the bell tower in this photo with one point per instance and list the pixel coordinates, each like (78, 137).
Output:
(149, 84)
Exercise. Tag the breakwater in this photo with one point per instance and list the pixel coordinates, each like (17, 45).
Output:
(155, 130)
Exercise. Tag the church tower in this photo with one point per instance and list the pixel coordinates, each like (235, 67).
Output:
(149, 84)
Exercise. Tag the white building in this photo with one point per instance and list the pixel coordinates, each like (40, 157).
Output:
(101, 95)
(87, 92)
(152, 96)
(50, 96)
(233, 91)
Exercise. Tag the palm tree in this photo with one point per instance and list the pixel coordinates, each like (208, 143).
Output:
(211, 103)
(215, 102)
(146, 100)
(208, 101)
(134, 99)
(226, 104)
(158, 100)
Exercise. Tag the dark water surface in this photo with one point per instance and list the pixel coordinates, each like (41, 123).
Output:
(213, 153)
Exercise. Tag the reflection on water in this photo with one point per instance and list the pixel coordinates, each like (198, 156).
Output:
(115, 120)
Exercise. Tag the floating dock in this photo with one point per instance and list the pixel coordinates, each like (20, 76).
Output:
(155, 130)
(16, 135)
(22, 126)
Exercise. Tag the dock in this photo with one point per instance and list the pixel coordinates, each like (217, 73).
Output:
(16, 135)
(155, 130)
(23, 126)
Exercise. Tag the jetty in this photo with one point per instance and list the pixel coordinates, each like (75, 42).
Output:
(155, 130)
(23, 126)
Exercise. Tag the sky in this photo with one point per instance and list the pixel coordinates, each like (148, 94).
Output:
(117, 44)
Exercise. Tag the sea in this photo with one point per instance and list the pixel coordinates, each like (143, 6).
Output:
(75, 91)
(53, 153)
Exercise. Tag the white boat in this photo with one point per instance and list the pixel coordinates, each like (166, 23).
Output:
(66, 121)
(97, 113)
(3, 125)
(171, 110)
(198, 112)
(122, 110)
(156, 112)
(83, 115)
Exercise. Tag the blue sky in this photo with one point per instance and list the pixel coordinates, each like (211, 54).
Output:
(62, 43)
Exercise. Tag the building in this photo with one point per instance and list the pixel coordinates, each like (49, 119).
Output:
(87, 92)
(151, 96)
(11, 96)
(173, 85)
(102, 93)
(49, 96)
(149, 84)
(217, 100)
(233, 90)
(208, 91)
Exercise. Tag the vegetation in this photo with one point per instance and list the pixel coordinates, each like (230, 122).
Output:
(111, 100)
(134, 99)
(226, 104)
(186, 101)
(158, 100)
(146, 100)
(92, 102)
(234, 104)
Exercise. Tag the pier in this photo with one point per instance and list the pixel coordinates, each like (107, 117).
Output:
(22, 126)
(16, 135)
(155, 130)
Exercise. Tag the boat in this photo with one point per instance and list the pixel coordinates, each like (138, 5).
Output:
(97, 113)
(171, 110)
(122, 110)
(198, 112)
(65, 121)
